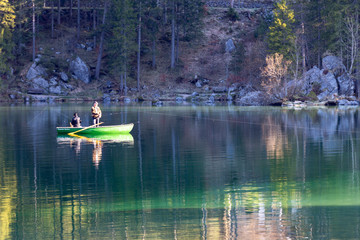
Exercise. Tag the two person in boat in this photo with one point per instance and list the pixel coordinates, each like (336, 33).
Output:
(95, 112)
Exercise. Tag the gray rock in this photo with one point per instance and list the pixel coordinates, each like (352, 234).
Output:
(194, 94)
(244, 90)
(329, 86)
(219, 89)
(345, 102)
(53, 81)
(229, 46)
(57, 53)
(334, 64)
(312, 76)
(255, 98)
(346, 85)
(198, 84)
(211, 99)
(229, 98)
(36, 71)
(127, 100)
(55, 89)
(179, 99)
(64, 77)
(106, 98)
(66, 86)
(80, 70)
(89, 49)
(326, 81)
(40, 82)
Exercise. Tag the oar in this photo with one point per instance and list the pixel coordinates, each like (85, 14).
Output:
(85, 128)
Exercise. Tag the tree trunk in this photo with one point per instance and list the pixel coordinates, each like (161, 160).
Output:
(177, 44)
(121, 82)
(164, 13)
(94, 25)
(52, 18)
(33, 30)
(154, 53)
(173, 36)
(101, 47)
(58, 20)
(125, 85)
(78, 21)
(71, 12)
(319, 37)
(303, 40)
(138, 52)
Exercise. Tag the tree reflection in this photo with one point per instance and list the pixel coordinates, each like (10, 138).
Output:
(209, 173)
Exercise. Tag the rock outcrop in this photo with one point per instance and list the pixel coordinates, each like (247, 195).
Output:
(80, 70)
(327, 83)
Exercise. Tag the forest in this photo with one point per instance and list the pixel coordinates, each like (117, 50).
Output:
(283, 40)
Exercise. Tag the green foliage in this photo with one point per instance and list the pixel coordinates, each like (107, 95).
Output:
(316, 88)
(312, 96)
(7, 23)
(51, 63)
(122, 43)
(232, 15)
(191, 13)
(281, 36)
(263, 28)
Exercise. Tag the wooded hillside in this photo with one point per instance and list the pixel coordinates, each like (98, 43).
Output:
(123, 39)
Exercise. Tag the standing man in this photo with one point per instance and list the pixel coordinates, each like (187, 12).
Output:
(96, 113)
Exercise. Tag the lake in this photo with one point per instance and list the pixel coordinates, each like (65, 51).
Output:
(184, 172)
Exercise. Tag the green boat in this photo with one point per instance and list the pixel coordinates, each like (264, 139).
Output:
(112, 129)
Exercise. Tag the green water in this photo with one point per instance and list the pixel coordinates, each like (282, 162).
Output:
(184, 172)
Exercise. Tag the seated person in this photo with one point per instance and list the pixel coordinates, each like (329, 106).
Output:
(75, 121)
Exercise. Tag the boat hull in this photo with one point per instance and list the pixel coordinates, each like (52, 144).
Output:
(113, 129)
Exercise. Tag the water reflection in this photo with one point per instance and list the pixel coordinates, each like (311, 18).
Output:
(75, 141)
(193, 172)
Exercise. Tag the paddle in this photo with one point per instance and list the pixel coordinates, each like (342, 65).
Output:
(85, 128)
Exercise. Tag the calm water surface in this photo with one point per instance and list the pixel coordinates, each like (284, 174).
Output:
(184, 172)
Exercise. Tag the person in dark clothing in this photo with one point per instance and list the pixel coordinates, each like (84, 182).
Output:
(76, 122)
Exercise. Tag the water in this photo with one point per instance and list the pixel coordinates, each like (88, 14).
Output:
(184, 172)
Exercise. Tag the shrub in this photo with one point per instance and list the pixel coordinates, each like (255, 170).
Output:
(232, 15)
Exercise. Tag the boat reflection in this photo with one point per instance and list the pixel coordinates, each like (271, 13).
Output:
(126, 139)
(97, 141)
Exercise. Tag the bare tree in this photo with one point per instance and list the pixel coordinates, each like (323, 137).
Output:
(78, 20)
(352, 26)
(58, 20)
(173, 36)
(52, 18)
(275, 72)
(33, 30)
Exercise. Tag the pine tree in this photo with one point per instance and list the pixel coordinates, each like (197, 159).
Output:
(281, 36)
(7, 17)
(122, 44)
